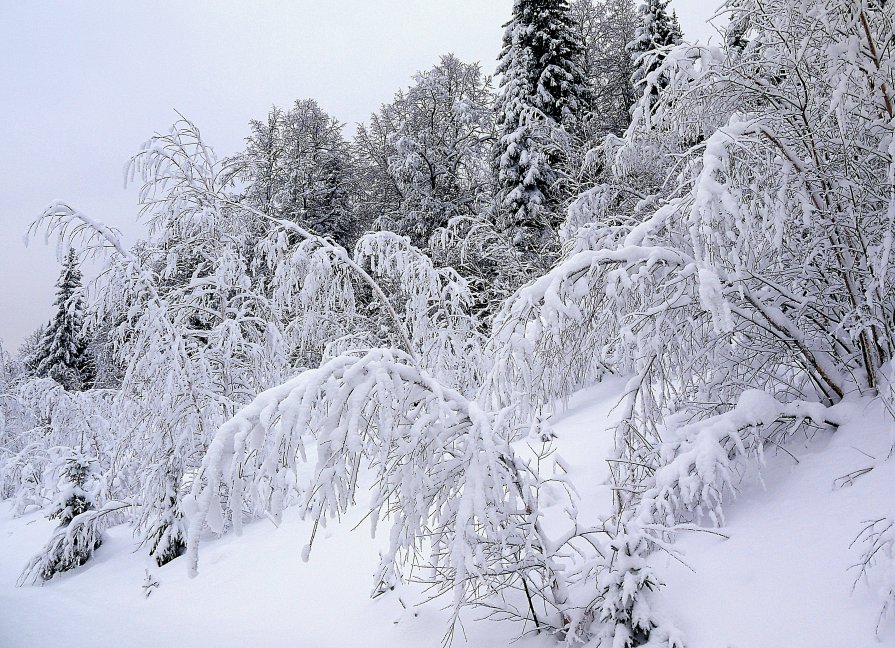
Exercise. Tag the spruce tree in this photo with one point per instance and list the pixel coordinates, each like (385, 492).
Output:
(543, 89)
(62, 351)
(658, 30)
(71, 546)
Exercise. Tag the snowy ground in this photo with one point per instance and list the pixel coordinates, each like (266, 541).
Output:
(784, 578)
(781, 579)
(252, 590)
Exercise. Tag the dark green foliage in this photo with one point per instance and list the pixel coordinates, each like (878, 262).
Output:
(69, 548)
(78, 534)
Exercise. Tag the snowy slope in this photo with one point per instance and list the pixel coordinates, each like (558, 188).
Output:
(253, 590)
(781, 579)
(784, 577)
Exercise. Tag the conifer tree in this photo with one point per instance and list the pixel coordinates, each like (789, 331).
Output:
(77, 536)
(75, 495)
(62, 351)
(659, 29)
(542, 90)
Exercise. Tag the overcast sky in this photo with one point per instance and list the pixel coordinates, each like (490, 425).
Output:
(85, 83)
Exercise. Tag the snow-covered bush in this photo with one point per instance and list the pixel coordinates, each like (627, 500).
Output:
(735, 280)
(758, 269)
(877, 559)
(734, 261)
(461, 503)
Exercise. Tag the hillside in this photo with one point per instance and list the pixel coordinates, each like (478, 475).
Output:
(781, 578)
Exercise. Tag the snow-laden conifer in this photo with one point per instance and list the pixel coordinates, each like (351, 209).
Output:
(542, 89)
(658, 31)
(71, 545)
(62, 350)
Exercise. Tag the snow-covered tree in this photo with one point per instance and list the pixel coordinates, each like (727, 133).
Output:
(193, 329)
(658, 31)
(747, 296)
(196, 339)
(299, 167)
(607, 26)
(426, 155)
(62, 351)
(71, 545)
(15, 469)
(78, 492)
(462, 504)
(542, 91)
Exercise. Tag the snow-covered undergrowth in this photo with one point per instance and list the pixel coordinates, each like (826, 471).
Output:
(254, 587)
(778, 573)
(255, 591)
(786, 573)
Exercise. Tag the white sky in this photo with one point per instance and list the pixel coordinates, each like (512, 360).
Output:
(83, 84)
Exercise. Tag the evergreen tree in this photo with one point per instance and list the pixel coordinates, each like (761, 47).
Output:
(543, 89)
(62, 351)
(71, 545)
(75, 495)
(658, 30)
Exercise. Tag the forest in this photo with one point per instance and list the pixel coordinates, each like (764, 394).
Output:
(390, 319)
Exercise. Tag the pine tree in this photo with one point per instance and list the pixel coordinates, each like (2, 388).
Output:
(658, 30)
(62, 351)
(543, 89)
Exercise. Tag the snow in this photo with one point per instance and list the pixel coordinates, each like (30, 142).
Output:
(585, 437)
(781, 578)
(733, 266)
(254, 590)
(784, 577)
